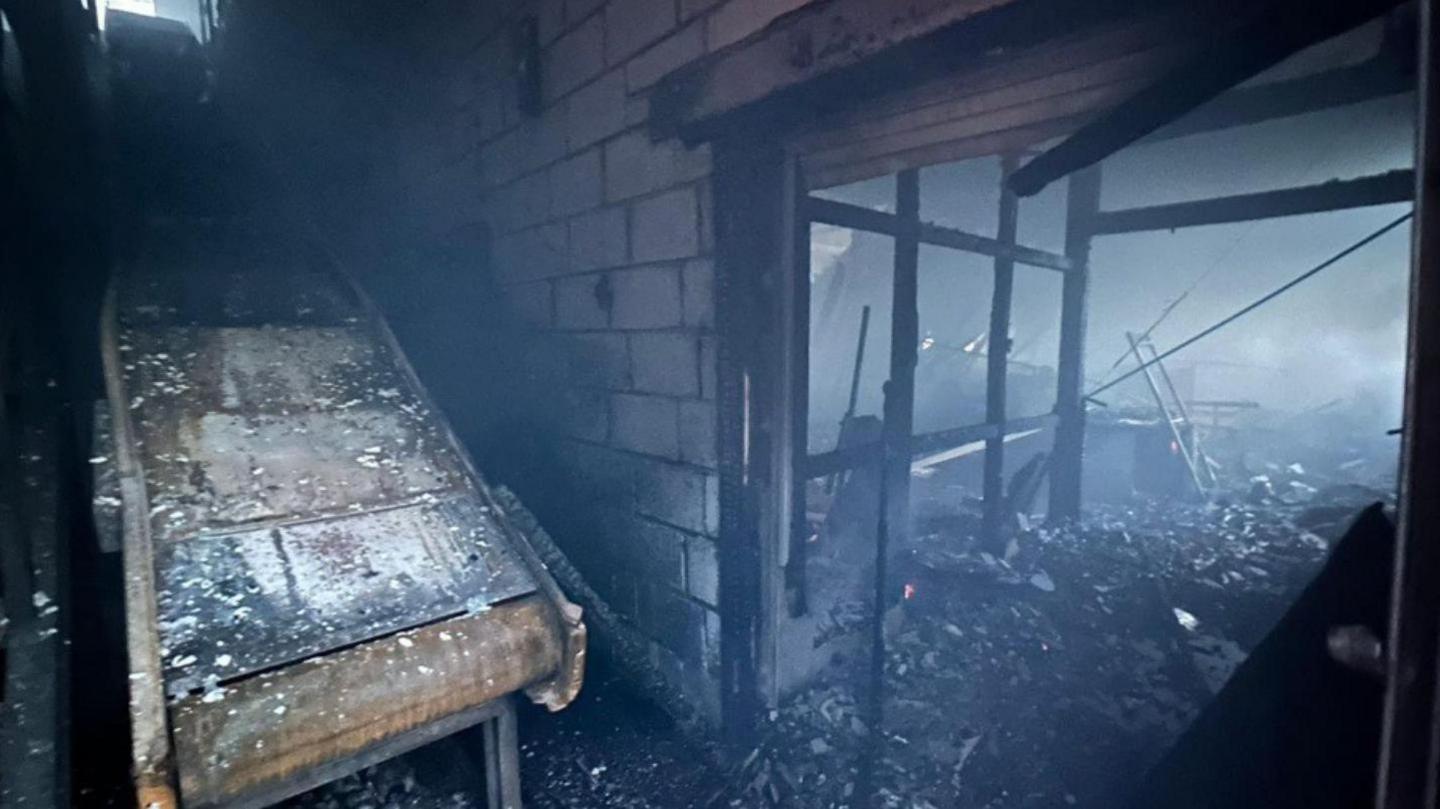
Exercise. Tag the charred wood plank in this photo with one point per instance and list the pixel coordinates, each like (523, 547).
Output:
(1259, 41)
(1335, 195)
(839, 460)
(1407, 769)
(846, 215)
(1082, 200)
(997, 365)
(1376, 79)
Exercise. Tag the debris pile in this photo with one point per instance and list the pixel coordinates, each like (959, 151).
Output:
(1056, 675)
(1053, 674)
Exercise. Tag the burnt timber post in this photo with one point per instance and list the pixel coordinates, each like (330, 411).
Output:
(750, 203)
(1081, 203)
(997, 361)
(1410, 738)
(904, 344)
(894, 518)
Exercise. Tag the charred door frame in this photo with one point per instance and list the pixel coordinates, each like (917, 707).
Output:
(762, 208)
(764, 215)
(1410, 740)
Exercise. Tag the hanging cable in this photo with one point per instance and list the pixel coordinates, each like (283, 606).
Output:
(1256, 305)
(1214, 265)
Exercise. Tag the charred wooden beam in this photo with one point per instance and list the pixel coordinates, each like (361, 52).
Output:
(839, 460)
(1261, 40)
(1082, 200)
(1411, 730)
(996, 363)
(1335, 195)
(796, 356)
(750, 207)
(947, 439)
(829, 57)
(846, 215)
(1369, 81)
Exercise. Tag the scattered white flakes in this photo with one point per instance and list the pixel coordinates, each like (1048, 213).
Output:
(106, 501)
(1186, 619)
(259, 470)
(223, 660)
(99, 459)
(214, 695)
(406, 642)
(181, 661)
(39, 598)
(425, 670)
(279, 710)
(1042, 581)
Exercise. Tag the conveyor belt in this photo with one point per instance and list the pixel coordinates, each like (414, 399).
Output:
(313, 565)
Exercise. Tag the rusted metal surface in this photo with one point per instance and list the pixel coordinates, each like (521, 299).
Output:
(152, 764)
(316, 572)
(249, 601)
(267, 729)
(250, 424)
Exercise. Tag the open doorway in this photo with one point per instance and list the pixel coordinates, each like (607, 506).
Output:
(1084, 449)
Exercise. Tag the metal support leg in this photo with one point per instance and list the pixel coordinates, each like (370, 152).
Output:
(502, 760)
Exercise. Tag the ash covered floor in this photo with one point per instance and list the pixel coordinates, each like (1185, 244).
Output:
(1052, 678)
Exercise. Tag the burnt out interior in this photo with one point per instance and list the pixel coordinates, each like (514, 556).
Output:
(751, 403)
(1208, 488)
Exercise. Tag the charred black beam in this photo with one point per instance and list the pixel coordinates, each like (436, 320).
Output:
(1266, 37)
(1082, 201)
(1411, 730)
(855, 217)
(839, 460)
(996, 364)
(1378, 78)
(1335, 195)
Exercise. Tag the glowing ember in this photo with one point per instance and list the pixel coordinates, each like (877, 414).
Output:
(909, 591)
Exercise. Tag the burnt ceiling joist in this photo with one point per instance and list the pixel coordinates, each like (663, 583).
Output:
(1335, 195)
(1262, 39)
(830, 56)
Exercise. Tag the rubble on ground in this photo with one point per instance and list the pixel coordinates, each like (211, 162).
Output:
(1056, 676)
(1050, 675)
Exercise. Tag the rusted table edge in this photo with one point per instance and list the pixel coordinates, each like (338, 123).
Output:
(149, 731)
(391, 747)
(564, 687)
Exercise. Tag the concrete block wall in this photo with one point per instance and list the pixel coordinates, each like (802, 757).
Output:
(602, 245)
